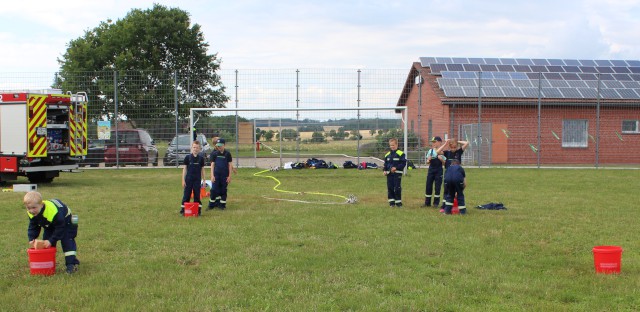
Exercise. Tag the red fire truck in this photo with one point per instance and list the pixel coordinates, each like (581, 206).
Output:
(41, 134)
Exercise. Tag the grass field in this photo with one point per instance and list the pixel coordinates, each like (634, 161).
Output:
(138, 254)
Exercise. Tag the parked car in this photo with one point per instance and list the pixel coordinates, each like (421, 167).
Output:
(135, 147)
(95, 153)
(180, 147)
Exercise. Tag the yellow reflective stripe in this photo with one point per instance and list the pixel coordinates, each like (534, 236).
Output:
(50, 210)
(70, 253)
(387, 154)
(399, 152)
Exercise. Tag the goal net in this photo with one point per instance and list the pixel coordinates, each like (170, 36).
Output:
(280, 137)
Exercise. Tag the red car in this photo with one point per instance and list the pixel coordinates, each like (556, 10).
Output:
(134, 147)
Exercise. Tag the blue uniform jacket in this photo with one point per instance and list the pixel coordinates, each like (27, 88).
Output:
(396, 159)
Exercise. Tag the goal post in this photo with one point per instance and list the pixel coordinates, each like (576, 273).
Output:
(281, 135)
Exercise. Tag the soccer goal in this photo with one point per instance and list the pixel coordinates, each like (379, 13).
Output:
(278, 137)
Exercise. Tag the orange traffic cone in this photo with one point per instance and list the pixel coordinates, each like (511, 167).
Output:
(455, 209)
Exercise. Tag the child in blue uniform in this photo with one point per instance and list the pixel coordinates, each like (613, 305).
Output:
(434, 174)
(192, 174)
(454, 185)
(55, 217)
(452, 149)
(394, 163)
(221, 167)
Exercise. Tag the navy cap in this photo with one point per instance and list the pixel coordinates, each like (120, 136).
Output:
(220, 142)
(436, 138)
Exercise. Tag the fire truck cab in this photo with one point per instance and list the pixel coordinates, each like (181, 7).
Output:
(41, 134)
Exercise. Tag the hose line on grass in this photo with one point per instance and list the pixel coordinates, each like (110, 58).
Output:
(351, 199)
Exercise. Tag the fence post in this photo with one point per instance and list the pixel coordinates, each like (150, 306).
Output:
(115, 103)
(597, 123)
(539, 122)
(478, 147)
(175, 103)
(358, 124)
(297, 116)
(237, 128)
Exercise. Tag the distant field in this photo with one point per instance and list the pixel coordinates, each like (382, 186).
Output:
(272, 250)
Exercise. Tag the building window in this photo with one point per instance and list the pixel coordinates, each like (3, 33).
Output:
(630, 126)
(574, 133)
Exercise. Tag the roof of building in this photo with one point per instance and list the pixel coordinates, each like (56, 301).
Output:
(529, 79)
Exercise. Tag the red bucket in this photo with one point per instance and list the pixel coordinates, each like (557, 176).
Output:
(607, 259)
(191, 209)
(42, 261)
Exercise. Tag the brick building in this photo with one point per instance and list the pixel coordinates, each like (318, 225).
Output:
(528, 111)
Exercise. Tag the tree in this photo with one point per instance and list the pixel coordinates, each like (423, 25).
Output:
(269, 135)
(145, 50)
(317, 137)
(289, 134)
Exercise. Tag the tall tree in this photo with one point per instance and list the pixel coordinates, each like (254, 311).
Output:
(142, 52)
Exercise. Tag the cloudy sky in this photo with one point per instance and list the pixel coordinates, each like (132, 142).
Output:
(252, 34)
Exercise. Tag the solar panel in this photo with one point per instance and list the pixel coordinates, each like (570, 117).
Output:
(631, 84)
(518, 76)
(511, 77)
(467, 82)
(524, 61)
(552, 76)
(444, 60)
(503, 83)
(455, 67)
(470, 75)
(444, 82)
(448, 74)
(571, 69)
(437, 68)
(471, 67)
(628, 94)
(427, 61)
(492, 92)
(552, 93)
(453, 91)
(489, 68)
(622, 77)
(523, 83)
(501, 75)
(609, 94)
(612, 84)
(621, 70)
(508, 61)
(556, 62)
(522, 68)
(588, 93)
(569, 76)
(588, 76)
(588, 69)
(512, 92)
(470, 91)
(555, 69)
(538, 68)
(558, 83)
(530, 92)
(505, 68)
(487, 83)
(460, 60)
(603, 63)
(540, 62)
(576, 83)
(604, 69)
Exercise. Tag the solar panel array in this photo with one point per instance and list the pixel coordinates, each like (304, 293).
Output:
(531, 78)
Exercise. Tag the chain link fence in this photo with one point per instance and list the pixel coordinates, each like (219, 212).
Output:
(505, 132)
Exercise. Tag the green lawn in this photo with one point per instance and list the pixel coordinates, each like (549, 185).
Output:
(260, 254)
